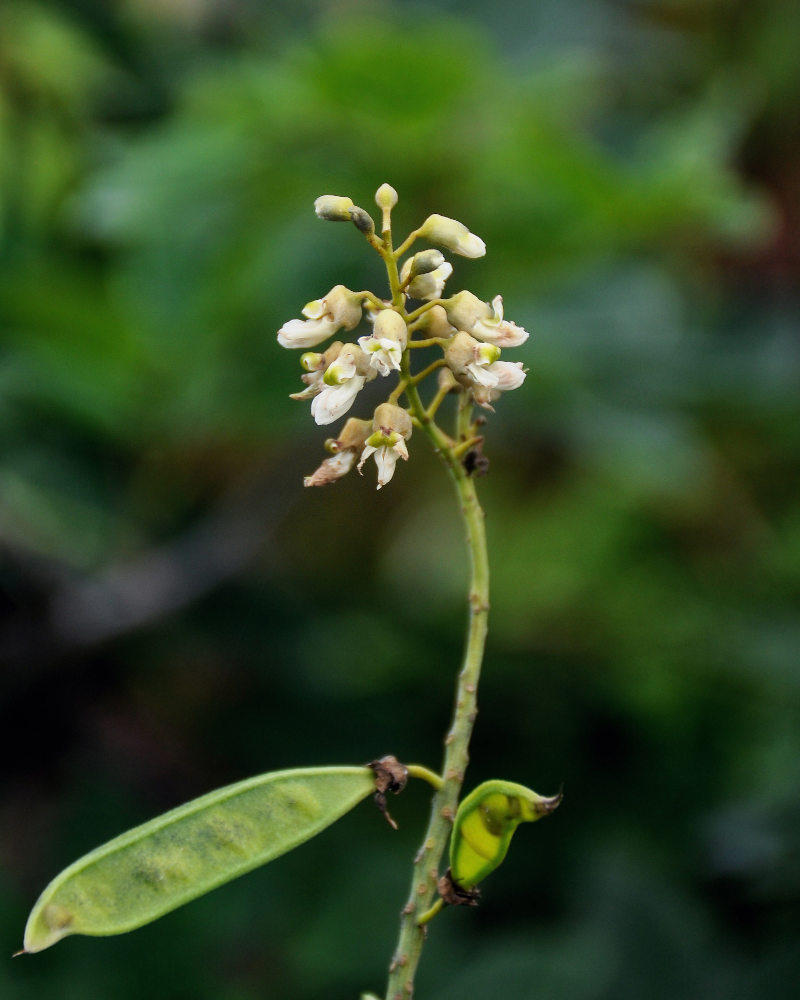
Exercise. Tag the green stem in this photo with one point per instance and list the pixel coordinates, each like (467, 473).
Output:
(428, 861)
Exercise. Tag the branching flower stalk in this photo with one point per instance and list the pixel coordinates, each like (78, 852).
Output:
(470, 334)
(148, 871)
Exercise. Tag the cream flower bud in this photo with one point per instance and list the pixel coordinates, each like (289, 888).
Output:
(422, 263)
(352, 437)
(333, 207)
(362, 220)
(434, 323)
(386, 196)
(391, 324)
(453, 235)
(461, 352)
(431, 285)
(428, 271)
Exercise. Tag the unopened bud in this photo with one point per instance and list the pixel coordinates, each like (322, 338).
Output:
(362, 220)
(422, 263)
(460, 352)
(354, 433)
(386, 196)
(435, 323)
(453, 235)
(391, 326)
(333, 207)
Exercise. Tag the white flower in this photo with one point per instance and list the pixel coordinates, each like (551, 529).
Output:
(509, 375)
(315, 365)
(386, 456)
(429, 284)
(484, 321)
(339, 309)
(484, 356)
(385, 345)
(392, 427)
(343, 380)
(453, 235)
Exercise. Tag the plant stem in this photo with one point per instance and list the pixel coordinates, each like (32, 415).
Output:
(456, 755)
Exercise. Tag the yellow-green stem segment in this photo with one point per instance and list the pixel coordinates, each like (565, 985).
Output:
(421, 905)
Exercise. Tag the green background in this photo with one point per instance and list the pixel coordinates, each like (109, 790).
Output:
(177, 612)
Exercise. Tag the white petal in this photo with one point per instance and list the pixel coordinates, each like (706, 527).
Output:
(368, 450)
(509, 374)
(386, 460)
(332, 468)
(503, 334)
(482, 375)
(471, 246)
(305, 333)
(334, 400)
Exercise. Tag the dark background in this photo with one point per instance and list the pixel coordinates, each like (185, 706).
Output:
(178, 613)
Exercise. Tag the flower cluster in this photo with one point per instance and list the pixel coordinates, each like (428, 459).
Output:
(470, 333)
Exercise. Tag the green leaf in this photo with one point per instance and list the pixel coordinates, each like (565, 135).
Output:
(485, 822)
(154, 868)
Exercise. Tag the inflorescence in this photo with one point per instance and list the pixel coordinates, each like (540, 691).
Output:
(469, 332)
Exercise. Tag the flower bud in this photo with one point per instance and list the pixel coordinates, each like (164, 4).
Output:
(465, 310)
(453, 235)
(422, 263)
(434, 322)
(362, 220)
(392, 326)
(333, 207)
(386, 197)
(460, 352)
(353, 435)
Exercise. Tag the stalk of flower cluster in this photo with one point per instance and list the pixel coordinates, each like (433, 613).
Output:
(426, 868)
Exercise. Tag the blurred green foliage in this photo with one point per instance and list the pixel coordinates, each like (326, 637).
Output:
(178, 612)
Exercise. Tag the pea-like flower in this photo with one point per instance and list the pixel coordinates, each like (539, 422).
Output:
(385, 345)
(344, 451)
(340, 309)
(392, 428)
(483, 320)
(425, 274)
(477, 366)
(342, 381)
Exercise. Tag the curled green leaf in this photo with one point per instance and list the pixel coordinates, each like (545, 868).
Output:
(154, 868)
(484, 824)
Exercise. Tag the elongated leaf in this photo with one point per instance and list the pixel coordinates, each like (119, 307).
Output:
(174, 858)
(485, 822)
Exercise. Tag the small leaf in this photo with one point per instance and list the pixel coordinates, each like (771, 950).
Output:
(154, 868)
(485, 822)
